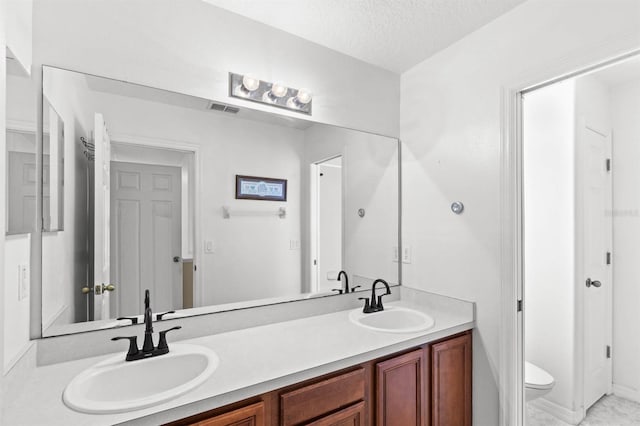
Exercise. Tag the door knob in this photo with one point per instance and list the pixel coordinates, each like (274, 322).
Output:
(101, 288)
(593, 283)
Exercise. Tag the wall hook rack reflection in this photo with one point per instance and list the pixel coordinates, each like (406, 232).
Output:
(227, 212)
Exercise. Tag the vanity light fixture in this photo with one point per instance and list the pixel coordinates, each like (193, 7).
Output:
(250, 88)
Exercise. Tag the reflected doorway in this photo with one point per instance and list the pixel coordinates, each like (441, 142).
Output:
(327, 220)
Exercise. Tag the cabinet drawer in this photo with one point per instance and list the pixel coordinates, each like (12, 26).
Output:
(253, 415)
(321, 398)
(350, 416)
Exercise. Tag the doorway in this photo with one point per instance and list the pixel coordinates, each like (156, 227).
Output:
(326, 222)
(579, 144)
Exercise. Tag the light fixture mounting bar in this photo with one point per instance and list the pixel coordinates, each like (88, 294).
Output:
(267, 93)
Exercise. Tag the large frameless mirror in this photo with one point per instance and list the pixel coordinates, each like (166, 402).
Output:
(210, 207)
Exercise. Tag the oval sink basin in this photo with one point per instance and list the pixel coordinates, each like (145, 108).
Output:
(115, 385)
(394, 319)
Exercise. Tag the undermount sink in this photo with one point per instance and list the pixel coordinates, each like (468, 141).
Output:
(394, 319)
(115, 385)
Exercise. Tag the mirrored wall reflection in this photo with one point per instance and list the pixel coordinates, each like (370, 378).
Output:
(209, 210)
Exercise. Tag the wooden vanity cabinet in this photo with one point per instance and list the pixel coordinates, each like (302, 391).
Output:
(426, 386)
(451, 381)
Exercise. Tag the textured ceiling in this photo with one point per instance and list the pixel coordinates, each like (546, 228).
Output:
(392, 34)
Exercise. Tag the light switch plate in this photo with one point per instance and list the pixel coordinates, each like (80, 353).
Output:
(209, 247)
(406, 254)
(23, 281)
(396, 254)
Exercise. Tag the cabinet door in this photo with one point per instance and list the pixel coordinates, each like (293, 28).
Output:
(350, 416)
(400, 390)
(451, 382)
(252, 415)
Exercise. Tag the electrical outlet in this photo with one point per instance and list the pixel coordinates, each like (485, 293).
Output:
(396, 255)
(294, 244)
(406, 254)
(23, 281)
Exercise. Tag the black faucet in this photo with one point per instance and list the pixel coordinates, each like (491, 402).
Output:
(345, 288)
(373, 305)
(148, 349)
(346, 280)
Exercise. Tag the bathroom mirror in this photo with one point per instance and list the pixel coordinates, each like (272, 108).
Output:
(210, 206)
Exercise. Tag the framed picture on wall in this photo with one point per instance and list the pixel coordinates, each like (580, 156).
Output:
(260, 188)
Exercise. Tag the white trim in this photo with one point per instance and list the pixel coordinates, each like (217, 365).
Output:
(511, 324)
(558, 411)
(626, 393)
(511, 382)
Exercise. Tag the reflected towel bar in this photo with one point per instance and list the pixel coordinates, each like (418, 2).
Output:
(227, 212)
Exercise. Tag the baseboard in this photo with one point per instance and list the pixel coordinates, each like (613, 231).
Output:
(626, 393)
(558, 411)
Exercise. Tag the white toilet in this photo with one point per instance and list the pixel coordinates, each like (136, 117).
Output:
(537, 382)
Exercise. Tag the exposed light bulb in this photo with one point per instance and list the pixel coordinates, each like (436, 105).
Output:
(250, 83)
(278, 90)
(303, 97)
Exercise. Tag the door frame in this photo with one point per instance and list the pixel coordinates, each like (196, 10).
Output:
(197, 241)
(313, 216)
(511, 346)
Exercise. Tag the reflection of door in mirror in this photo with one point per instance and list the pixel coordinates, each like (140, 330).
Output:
(328, 222)
(102, 219)
(145, 236)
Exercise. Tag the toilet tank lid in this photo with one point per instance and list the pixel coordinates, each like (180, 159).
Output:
(534, 375)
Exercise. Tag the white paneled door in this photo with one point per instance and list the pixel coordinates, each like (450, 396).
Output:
(597, 278)
(146, 236)
(102, 219)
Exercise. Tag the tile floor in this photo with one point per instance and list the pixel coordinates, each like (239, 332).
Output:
(609, 411)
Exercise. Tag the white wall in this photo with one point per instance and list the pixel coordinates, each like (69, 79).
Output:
(549, 235)
(190, 47)
(19, 20)
(17, 252)
(451, 131)
(625, 108)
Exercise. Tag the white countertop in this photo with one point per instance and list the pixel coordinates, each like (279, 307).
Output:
(252, 361)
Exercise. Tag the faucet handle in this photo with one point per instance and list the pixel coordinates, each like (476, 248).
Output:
(162, 343)
(379, 304)
(353, 289)
(367, 306)
(133, 345)
(159, 316)
(134, 320)
(339, 290)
